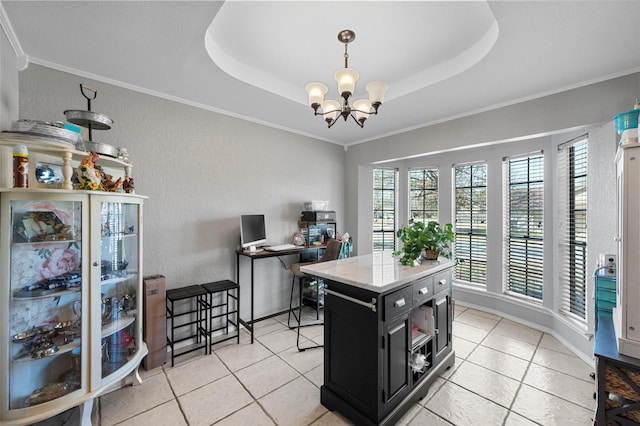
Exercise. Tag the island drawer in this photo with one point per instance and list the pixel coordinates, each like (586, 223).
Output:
(441, 281)
(422, 290)
(397, 303)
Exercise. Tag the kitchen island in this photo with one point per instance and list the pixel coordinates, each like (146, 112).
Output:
(387, 334)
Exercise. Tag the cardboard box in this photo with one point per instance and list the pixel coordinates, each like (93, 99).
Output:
(154, 322)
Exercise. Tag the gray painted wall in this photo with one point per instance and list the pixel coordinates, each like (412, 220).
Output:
(201, 171)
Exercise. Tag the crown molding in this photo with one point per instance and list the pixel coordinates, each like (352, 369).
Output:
(22, 60)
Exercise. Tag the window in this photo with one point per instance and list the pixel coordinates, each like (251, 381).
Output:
(524, 225)
(423, 194)
(385, 182)
(572, 194)
(471, 222)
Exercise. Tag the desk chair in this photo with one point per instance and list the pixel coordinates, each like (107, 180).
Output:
(332, 252)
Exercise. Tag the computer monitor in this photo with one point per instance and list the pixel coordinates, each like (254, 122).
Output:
(252, 231)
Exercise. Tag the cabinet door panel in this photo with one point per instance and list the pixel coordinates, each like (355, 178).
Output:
(351, 336)
(442, 324)
(396, 357)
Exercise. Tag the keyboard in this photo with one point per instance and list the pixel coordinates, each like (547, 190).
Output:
(281, 247)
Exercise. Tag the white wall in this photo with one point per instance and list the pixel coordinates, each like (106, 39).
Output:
(201, 171)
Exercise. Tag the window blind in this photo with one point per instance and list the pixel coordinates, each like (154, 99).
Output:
(471, 222)
(524, 225)
(385, 182)
(572, 206)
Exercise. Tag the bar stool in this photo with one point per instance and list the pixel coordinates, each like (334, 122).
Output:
(193, 298)
(212, 289)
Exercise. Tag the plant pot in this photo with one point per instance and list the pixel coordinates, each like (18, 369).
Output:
(431, 254)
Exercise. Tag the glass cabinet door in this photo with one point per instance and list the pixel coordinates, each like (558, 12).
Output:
(119, 280)
(45, 299)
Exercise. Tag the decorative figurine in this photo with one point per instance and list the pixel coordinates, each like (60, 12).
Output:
(89, 176)
(128, 185)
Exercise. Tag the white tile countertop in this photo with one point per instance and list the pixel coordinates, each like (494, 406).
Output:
(377, 272)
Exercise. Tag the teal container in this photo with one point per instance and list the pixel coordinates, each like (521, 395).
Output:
(626, 120)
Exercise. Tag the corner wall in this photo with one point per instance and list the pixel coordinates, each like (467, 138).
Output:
(201, 171)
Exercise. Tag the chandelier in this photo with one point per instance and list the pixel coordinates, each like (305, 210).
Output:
(346, 78)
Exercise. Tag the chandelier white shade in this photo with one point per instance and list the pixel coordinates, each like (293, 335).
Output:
(346, 78)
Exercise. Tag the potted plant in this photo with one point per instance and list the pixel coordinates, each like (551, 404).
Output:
(432, 238)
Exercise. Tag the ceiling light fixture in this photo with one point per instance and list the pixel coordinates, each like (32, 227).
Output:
(346, 78)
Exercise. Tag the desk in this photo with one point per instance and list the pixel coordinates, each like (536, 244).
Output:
(618, 394)
(265, 254)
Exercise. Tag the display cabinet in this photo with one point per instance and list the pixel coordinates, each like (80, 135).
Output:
(70, 315)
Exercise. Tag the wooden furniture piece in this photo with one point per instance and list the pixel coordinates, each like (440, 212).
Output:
(618, 380)
(332, 252)
(187, 311)
(264, 254)
(387, 334)
(225, 290)
(154, 324)
(70, 299)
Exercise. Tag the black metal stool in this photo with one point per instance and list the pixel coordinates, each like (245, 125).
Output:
(212, 289)
(189, 294)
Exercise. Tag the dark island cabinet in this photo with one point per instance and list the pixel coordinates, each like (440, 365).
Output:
(372, 339)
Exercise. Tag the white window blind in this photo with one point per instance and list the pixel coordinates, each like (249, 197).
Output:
(385, 182)
(572, 203)
(524, 225)
(471, 222)
(423, 194)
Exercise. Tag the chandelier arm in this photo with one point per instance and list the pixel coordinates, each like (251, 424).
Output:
(357, 122)
(332, 123)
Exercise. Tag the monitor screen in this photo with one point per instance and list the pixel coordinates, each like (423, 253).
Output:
(252, 231)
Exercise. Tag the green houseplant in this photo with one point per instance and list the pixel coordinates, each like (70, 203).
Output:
(417, 237)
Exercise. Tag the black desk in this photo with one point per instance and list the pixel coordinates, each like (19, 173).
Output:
(265, 254)
(618, 396)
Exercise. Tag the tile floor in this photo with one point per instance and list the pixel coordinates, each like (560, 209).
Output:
(505, 374)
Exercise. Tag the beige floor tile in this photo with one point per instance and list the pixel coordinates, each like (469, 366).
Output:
(470, 317)
(549, 410)
(215, 401)
(461, 407)
(130, 401)
(486, 383)
(409, 415)
(425, 417)
(316, 376)
(463, 347)
(264, 327)
(433, 389)
(517, 331)
(515, 419)
(510, 346)
(199, 372)
(331, 419)
(296, 403)
(449, 372)
(303, 361)
(499, 362)
(458, 309)
(550, 342)
(467, 332)
(569, 364)
(250, 415)
(236, 357)
(562, 385)
(166, 414)
(265, 376)
(281, 340)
